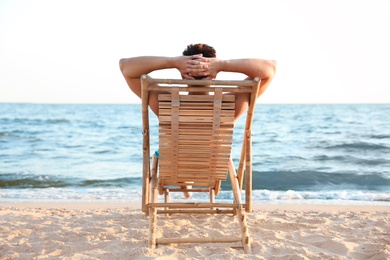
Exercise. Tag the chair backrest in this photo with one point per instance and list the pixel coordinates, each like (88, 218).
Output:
(195, 137)
(195, 131)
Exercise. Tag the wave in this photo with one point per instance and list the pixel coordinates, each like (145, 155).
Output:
(317, 180)
(30, 181)
(30, 121)
(379, 136)
(359, 146)
(133, 195)
(352, 159)
(269, 180)
(336, 195)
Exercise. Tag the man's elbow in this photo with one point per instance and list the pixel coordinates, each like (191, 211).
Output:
(122, 64)
(266, 69)
(272, 67)
(126, 68)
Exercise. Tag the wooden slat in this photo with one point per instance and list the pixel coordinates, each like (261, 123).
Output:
(197, 98)
(188, 112)
(189, 211)
(228, 131)
(195, 119)
(190, 205)
(198, 240)
(200, 106)
(200, 146)
(201, 82)
(176, 181)
(193, 139)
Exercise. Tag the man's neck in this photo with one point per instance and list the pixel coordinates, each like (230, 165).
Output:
(198, 93)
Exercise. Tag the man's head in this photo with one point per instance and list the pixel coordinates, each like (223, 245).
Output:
(200, 48)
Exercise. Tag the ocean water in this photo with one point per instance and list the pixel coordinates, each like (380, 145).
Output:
(304, 153)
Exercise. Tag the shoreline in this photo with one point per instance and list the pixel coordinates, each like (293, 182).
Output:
(267, 206)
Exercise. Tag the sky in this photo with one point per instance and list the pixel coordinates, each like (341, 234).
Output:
(67, 51)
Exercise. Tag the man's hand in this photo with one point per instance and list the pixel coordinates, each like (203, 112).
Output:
(204, 68)
(196, 67)
(213, 68)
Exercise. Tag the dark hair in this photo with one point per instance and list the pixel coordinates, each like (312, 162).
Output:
(200, 48)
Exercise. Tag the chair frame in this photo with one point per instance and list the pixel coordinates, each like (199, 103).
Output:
(150, 174)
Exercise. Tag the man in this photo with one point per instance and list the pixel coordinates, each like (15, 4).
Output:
(198, 62)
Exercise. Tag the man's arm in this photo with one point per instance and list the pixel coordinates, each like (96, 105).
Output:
(133, 68)
(263, 69)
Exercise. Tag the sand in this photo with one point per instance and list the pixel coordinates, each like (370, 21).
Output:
(120, 231)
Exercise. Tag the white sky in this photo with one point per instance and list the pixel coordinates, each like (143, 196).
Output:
(67, 51)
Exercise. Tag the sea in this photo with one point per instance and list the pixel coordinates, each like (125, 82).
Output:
(311, 153)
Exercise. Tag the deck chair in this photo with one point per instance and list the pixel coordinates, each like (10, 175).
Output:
(195, 141)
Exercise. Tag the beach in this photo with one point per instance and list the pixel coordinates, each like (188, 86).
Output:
(70, 185)
(79, 230)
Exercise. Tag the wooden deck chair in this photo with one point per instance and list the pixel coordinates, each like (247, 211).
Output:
(195, 140)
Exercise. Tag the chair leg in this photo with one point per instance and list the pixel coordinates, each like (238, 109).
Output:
(153, 182)
(152, 227)
(154, 194)
(145, 190)
(152, 212)
(217, 188)
(212, 195)
(166, 199)
(244, 230)
(240, 212)
(248, 171)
